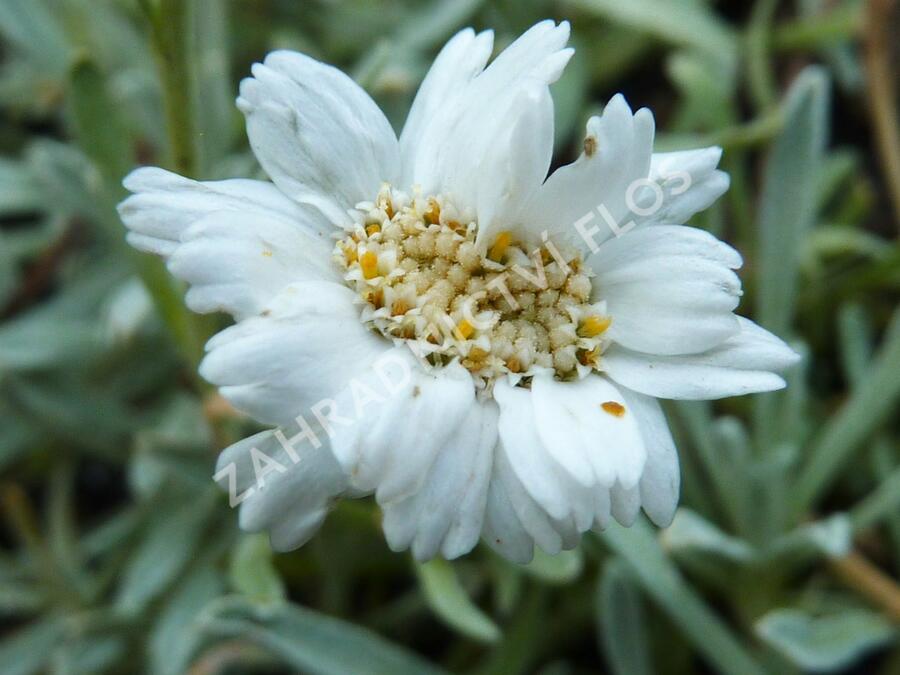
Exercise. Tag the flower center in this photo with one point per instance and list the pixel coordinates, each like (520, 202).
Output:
(420, 278)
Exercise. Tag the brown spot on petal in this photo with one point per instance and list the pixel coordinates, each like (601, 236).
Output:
(614, 408)
(590, 145)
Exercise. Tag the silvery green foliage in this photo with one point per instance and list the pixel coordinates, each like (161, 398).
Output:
(121, 556)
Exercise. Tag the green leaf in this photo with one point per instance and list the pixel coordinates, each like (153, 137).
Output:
(33, 30)
(855, 331)
(436, 22)
(729, 484)
(9, 273)
(70, 183)
(786, 215)
(824, 644)
(662, 582)
(88, 654)
(42, 341)
(835, 240)
(789, 197)
(65, 406)
(17, 437)
(18, 190)
(252, 572)
(872, 402)
(98, 125)
(311, 642)
(448, 599)
(170, 541)
(681, 22)
(705, 98)
(20, 598)
(831, 536)
(690, 531)
(28, 649)
(882, 502)
(562, 568)
(175, 635)
(621, 618)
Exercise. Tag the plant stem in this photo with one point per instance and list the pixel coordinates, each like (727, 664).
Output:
(170, 36)
(861, 575)
(169, 29)
(812, 32)
(882, 87)
(758, 44)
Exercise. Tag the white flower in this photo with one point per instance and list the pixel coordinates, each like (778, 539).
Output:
(434, 321)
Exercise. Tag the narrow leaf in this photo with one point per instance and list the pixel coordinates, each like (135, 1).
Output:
(662, 582)
(824, 644)
(252, 572)
(787, 207)
(448, 599)
(868, 406)
(311, 642)
(620, 615)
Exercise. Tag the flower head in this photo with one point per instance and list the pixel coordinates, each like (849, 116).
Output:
(435, 321)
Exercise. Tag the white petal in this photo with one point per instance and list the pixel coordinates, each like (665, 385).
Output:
(305, 348)
(165, 204)
(595, 446)
(516, 166)
(550, 534)
(391, 442)
(669, 289)
(625, 504)
(618, 147)
(661, 480)
(317, 134)
(689, 182)
(461, 59)
(292, 503)
(465, 145)
(503, 530)
(446, 515)
(553, 488)
(237, 242)
(743, 364)
(237, 268)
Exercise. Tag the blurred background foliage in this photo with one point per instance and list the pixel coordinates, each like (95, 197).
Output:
(119, 555)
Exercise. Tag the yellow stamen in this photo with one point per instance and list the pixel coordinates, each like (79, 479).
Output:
(373, 228)
(349, 253)
(514, 365)
(504, 239)
(477, 354)
(376, 297)
(614, 408)
(369, 264)
(433, 215)
(588, 358)
(463, 330)
(592, 326)
(399, 308)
